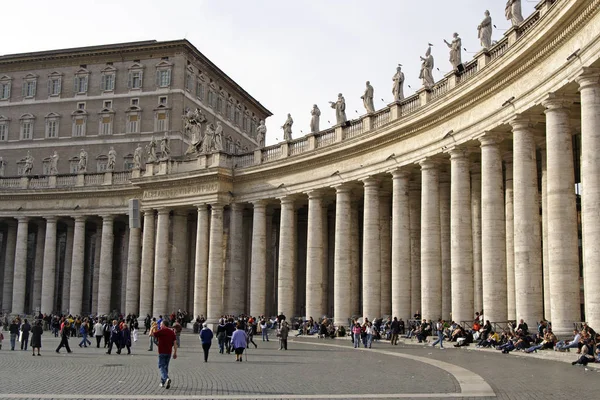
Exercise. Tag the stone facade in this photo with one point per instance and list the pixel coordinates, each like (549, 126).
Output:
(457, 199)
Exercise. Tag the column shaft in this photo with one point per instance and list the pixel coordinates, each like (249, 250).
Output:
(20, 267)
(414, 201)
(342, 290)
(215, 264)
(147, 267)
(161, 265)
(510, 239)
(178, 265)
(354, 267)
(68, 261)
(401, 265)
(132, 296)
(476, 233)
(9, 265)
(49, 267)
(235, 275)
(445, 247)
(77, 268)
(258, 266)
(96, 271)
(315, 293)
(106, 265)
(371, 273)
(385, 236)
(39, 266)
(286, 280)
(545, 262)
(201, 262)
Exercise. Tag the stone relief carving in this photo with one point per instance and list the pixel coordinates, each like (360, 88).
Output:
(207, 140)
(83, 159)
(367, 98)
(151, 151)
(112, 159)
(340, 109)
(165, 147)
(455, 50)
(398, 88)
(192, 125)
(314, 119)
(54, 163)
(427, 65)
(514, 12)
(261, 134)
(485, 31)
(138, 153)
(287, 128)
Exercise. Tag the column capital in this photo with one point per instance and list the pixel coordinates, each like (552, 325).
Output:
(343, 188)
(556, 101)
(150, 212)
(52, 219)
(428, 163)
(476, 167)
(400, 173)
(105, 217)
(589, 78)
(507, 157)
(370, 182)
(458, 153)
(82, 218)
(201, 207)
(260, 203)
(521, 122)
(490, 139)
(21, 219)
(237, 206)
(540, 141)
(217, 205)
(287, 200)
(315, 194)
(163, 211)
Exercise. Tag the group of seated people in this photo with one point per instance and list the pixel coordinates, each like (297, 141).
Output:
(322, 329)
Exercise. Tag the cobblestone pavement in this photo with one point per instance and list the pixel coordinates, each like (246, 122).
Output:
(311, 368)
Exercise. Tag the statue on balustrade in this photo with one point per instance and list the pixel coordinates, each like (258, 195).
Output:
(261, 134)
(367, 98)
(2, 164)
(28, 167)
(165, 147)
(314, 120)
(398, 88)
(238, 146)
(137, 157)
(83, 159)
(340, 109)
(455, 50)
(513, 12)
(485, 31)
(54, 163)
(151, 151)
(287, 128)
(192, 125)
(218, 140)
(112, 159)
(426, 74)
(207, 140)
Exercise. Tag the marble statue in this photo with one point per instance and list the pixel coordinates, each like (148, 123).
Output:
(314, 120)
(165, 147)
(2, 163)
(340, 109)
(192, 125)
(54, 163)
(151, 151)
(485, 31)
(367, 98)
(287, 128)
(28, 167)
(83, 159)
(218, 140)
(261, 134)
(229, 142)
(238, 146)
(112, 159)
(513, 12)
(426, 74)
(455, 50)
(207, 140)
(398, 88)
(137, 157)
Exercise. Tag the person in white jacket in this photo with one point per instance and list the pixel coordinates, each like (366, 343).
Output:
(98, 332)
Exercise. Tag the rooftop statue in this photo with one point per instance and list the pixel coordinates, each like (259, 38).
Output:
(340, 109)
(314, 119)
(54, 163)
(28, 167)
(367, 98)
(218, 141)
(455, 50)
(192, 125)
(208, 139)
(165, 147)
(261, 134)
(151, 151)
(398, 88)
(485, 31)
(137, 157)
(514, 12)
(83, 159)
(287, 128)
(112, 159)
(426, 74)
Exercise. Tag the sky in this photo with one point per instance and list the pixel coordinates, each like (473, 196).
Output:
(288, 55)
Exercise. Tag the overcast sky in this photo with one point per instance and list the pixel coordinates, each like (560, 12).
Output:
(287, 54)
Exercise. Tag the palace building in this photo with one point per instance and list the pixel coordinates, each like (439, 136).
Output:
(481, 192)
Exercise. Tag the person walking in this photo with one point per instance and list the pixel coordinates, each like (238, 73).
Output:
(283, 335)
(106, 332)
(83, 331)
(439, 326)
(114, 337)
(251, 330)
(206, 336)
(36, 337)
(65, 329)
(13, 330)
(395, 331)
(264, 329)
(238, 342)
(147, 323)
(178, 328)
(153, 326)
(356, 332)
(98, 332)
(25, 329)
(221, 336)
(125, 339)
(167, 342)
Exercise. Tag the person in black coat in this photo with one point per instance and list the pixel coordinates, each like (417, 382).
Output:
(25, 329)
(36, 337)
(115, 337)
(13, 329)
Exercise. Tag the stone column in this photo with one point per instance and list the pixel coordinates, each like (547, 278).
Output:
(476, 233)
(235, 275)
(386, 252)
(371, 273)
(20, 267)
(342, 291)
(161, 264)
(461, 243)
(316, 297)
(106, 264)
(510, 239)
(563, 250)
(286, 280)
(49, 267)
(354, 266)
(529, 303)
(401, 265)
(147, 267)
(96, 271)
(414, 201)
(77, 268)
(68, 261)
(493, 230)
(431, 251)
(9, 265)
(39, 264)
(545, 262)
(178, 265)
(445, 246)
(132, 296)
(258, 266)
(589, 87)
(214, 301)
(201, 262)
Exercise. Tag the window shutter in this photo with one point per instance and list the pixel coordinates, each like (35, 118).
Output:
(169, 77)
(76, 85)
(34, 87)
(59, 85)
(141, 78)
(24, 89)
(158, 78)
(85, 84)
(8, 90)
(103, 82)
(49, 87)
(129, 79)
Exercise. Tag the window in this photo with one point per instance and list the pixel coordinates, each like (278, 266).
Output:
(107, 83)
(3, 130)
(161, 121)
(106, 123)
(29, 86)
(253, 128)
(79, 127)
(52, 125)
(133, 123)
(46, 162)
(74, 165)
(80, 83)
(5, 84)
(237, 116)
(219, 104)
(135, 102)
(27, 127)
(200, 91)
(230, 111)
(54, 84)
(246, 123)
(107, 104)
(163, 77)
(162, 101)
(101, 163)
(189, 81)
(128, 162)
(211, 98)
(81, 106)
(135, 79)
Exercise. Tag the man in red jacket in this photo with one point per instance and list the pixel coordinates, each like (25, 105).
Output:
(167, 341)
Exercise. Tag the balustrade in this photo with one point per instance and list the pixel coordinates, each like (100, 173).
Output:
(10, 183)
(66, 180)
(439, 89)
(38, 182)
(325, 138)
(94, 179)
(410, 104)
(298, 146)
(381, 118)
(271, 153)
(529, 23)
(244, 160)
(499, 49)
(470, 71)
(353, 130)
(121, 177)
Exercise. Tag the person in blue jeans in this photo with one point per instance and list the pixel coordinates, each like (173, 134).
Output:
(167, 342)
(83, 330)
(439, 326)
(13, 329)
(356, 333)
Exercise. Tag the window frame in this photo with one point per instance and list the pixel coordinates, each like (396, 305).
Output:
(4, 126)
(27, 126)
(29, 88)
(52, 123)
(52, 78)
(5, 86)
(81, 82)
